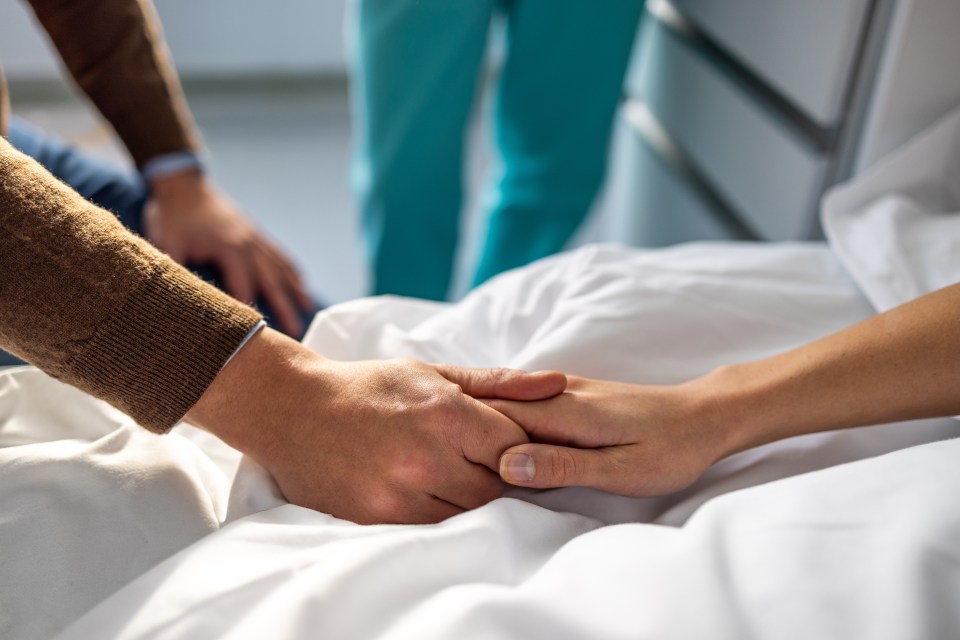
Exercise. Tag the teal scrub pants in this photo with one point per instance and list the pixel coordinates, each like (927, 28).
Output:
(416, 70)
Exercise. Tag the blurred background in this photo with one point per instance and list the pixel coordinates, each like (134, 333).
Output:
(272, 104)
(736, 116)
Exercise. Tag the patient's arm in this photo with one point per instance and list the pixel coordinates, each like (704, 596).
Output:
(643, 440)
(379, 441)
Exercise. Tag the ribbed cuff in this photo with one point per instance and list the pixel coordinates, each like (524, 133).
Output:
(157, 354)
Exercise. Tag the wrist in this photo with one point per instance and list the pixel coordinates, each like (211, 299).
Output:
(752, 405)
(710, 408)
(262, 384)
(170, 163)
(182, 184)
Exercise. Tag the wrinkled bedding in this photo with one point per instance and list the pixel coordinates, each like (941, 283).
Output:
(107, 531)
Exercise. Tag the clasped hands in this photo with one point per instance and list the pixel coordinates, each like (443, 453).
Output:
(401, 441)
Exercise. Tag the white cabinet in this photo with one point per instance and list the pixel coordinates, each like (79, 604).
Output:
(767, 103)
(805, 49)
(766, 171)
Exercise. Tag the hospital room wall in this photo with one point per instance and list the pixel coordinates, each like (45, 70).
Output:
(209, 38)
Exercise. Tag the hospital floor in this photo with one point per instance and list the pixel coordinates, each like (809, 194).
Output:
(281, 149)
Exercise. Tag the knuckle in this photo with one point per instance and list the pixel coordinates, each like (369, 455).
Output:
(446, 406)
(564, 467)
(501, 376)
(452, 400)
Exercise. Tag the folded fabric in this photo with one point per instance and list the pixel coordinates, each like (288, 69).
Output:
(897, 226)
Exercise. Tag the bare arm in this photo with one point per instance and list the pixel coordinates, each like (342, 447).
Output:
(640, 440)
(900, 365)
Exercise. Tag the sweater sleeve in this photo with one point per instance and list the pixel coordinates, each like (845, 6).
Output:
(99, 308)
(114, 50)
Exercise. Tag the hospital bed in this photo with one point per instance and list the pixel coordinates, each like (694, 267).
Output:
(107, 531)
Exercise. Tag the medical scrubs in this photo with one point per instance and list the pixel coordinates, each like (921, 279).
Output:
(417, 64)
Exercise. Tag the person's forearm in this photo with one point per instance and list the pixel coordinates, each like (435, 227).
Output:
(243, 399)
(98, 307)
(646, 441)
(115, 51)
(901, 365)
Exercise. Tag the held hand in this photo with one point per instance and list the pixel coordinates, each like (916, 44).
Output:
(379, 441)
(192, 221)
(626, 439)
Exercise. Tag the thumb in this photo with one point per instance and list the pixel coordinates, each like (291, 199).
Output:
(542, 466)
(505, 384)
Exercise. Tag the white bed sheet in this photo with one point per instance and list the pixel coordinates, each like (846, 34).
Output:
(897, 227)
(841, 535)
(766, 560)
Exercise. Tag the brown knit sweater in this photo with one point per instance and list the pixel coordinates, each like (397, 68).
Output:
(115, 52)
(80, 297)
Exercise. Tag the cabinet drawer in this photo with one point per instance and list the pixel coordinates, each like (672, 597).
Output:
(663, 208)
(766, 172)
(805, 49)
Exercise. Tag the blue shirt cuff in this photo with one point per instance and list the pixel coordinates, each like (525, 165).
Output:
(169, 163)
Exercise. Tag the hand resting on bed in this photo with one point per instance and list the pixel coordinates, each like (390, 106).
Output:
(381, 441)
(651, 440)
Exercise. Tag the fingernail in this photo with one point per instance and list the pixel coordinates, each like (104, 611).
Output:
(518, 467)
(542, 374)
